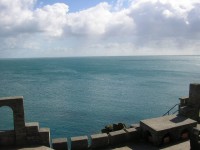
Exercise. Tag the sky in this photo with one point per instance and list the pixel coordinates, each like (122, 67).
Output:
(68, 28)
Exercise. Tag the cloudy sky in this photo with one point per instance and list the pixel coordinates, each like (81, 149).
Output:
(64, 28)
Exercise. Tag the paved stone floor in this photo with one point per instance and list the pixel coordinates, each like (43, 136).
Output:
(30, 148)
(137, 146)
(179, 146)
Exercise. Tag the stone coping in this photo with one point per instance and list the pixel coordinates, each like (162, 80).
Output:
(11, 98)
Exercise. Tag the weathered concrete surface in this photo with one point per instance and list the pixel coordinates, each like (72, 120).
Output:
(79, 143)
(172, 125)
(99, 140)
(60, 144)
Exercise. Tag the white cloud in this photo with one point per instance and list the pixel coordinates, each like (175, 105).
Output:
(167, 13)
(90, 21)
(51, 18)
(98, 20)
(126, 27)
(14, 14)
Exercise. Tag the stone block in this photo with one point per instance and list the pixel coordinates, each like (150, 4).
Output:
(99, 140)
(79, 143)
(44, 134)
(117, 137)
(32, 128)
(131, 134)
(60, 144)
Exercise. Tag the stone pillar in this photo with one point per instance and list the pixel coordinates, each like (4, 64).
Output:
(194, 94)
(19, 121)
(194, 100)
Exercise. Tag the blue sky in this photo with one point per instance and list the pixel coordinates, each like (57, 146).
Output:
(65, 28)
(74, 5)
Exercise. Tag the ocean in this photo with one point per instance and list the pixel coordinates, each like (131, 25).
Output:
(79, 96)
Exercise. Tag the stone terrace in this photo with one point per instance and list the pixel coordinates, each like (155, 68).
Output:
(161, 131)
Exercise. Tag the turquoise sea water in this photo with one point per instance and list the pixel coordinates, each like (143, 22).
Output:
(79, 96)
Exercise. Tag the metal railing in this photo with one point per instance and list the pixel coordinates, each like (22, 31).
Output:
(171, 109)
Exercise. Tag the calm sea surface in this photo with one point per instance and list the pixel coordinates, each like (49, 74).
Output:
(79, 96)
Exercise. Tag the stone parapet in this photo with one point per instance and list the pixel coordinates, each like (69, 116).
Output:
(99, 140)
(117, 137)
(79, 143)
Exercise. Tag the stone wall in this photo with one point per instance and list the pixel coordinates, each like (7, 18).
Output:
(23, 133)
(7, 138)
(97, 141)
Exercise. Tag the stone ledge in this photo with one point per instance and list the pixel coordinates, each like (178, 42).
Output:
(12, 98)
